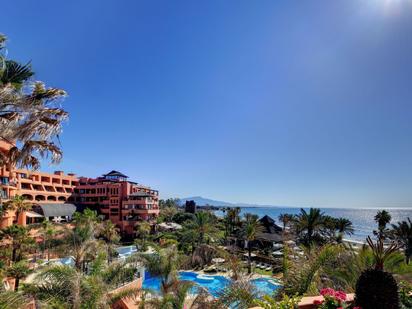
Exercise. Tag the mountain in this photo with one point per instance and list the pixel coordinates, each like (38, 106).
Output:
(201, 201)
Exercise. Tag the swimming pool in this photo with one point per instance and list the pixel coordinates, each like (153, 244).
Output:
(65, 261)
(125, 251)
(214, 284)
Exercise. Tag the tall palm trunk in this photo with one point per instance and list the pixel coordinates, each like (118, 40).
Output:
(249, 255)
(78, 263)
(44, 247)
(144, 242)
(109, 255)
(48, 251)
(14, 254)
(16, 283)
(310, 233)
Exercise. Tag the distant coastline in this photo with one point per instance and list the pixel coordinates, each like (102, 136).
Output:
(362, 218)
(207, 203)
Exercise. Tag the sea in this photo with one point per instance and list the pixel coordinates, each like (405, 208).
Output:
(362, 219)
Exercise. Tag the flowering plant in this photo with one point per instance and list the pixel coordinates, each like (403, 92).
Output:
(332, 300)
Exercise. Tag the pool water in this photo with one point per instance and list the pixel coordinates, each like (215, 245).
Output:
(214, 284)
(66, 261)
(126, 251)
(265, 285)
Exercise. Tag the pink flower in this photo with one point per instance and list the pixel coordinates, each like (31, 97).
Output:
(357, 307)
(340, 295)
(327, 292)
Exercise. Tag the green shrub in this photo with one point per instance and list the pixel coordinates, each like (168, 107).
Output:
(377, 289)
(269, 302)
(405, 290)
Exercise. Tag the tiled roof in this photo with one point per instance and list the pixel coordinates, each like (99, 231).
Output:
(57, 210)
(116, 173)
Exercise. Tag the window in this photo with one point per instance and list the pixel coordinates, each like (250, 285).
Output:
(4, 180)
(3, 193)
(25, 186)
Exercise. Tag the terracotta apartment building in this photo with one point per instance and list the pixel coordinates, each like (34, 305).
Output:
(56, 196)
(122, 201)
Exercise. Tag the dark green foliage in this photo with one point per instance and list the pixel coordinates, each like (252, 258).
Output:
(15, 73)
(402, 234)
(171, 202)
(405, 290)
(239, 294)
(182, 217)
(377, 289)
(314, 227)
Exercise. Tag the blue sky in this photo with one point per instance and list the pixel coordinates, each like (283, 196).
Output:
(272, 102)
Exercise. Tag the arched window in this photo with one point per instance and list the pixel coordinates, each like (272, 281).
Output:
(40, 198)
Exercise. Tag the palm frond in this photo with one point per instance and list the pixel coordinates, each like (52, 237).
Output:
(15, 73)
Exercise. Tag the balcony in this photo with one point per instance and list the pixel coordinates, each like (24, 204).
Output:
(49, 189)
(141, 211)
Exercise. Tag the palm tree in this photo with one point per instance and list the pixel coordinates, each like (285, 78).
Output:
(382, 218)
(204, 225)
(343, 226)
(163, 263)
(174, 299)
(188, 239)
(18, 204)
(67, 287)
(309, 225)
(48, 233)
(402, 234)
(251, 230)
(380, 252)
(232, 219)
(285, 219)
(80, 242)
(80, 246)
(110, 234)
(30, 116)
(19, 241)
(241, 294)
(345, 272)
(18, 271)
(143, 229)
(235, 266)
(308, 269)
(167, 213)
(11, 299)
